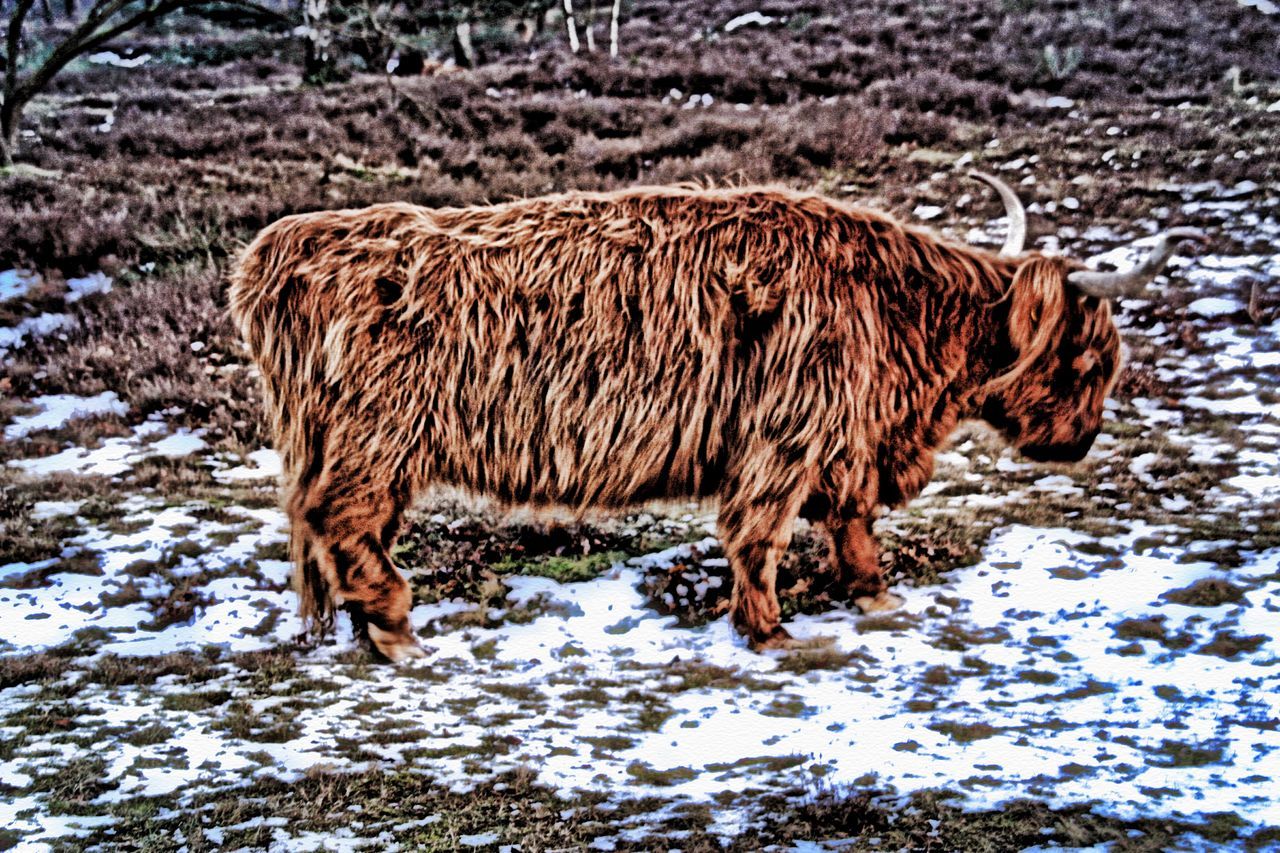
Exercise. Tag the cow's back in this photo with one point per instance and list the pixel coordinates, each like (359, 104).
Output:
(596, 349)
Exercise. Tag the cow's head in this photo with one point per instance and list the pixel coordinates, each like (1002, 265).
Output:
(1064, 343)
(1067, 357)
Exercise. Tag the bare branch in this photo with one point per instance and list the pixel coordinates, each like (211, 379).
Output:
(86, 38)
(102, 22)
(572, 25)
(613, 27)
(12, 39)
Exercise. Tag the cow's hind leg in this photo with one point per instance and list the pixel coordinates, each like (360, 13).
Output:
(756, 533)
(351, 524)
(856, 559)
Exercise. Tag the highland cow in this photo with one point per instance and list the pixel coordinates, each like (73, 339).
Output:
(790, 355)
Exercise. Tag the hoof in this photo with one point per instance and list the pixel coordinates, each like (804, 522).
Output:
(881, 603)
(767, 638)
(396, 646)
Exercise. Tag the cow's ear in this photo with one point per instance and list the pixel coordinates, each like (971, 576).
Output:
(1037, 306)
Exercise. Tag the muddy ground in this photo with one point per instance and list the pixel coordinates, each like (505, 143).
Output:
(1086, 655)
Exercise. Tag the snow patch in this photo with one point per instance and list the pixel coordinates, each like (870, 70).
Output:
(15, 283)
(110, 57)
(95, 282)
(1215, 306)
(266, 465)
(12, 337)
(57, 409)
(756, 19)
(114, 456)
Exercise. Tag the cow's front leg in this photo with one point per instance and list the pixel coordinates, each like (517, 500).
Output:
(856, 560)
(756, 532)
(350, 524)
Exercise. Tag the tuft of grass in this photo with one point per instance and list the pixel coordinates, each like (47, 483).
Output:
(651, 711)
(1206, 592)
(772, 763)
(966, 732)
(808, 660)
(269, 667)
(604, 746)
(71, 787)
(1172, 753)
(1230, 645)
(647, 774)
(114, 670)
(697, 674)
(897, 621)
(240, 720)
(956, 637)
(786, 706)
(149, 735)
(564, 569)
(1152, 628)
(40, 667)
(522, 693)
(1036, 676)
(195, 701)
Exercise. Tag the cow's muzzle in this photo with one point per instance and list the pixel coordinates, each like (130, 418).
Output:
(1060, 452)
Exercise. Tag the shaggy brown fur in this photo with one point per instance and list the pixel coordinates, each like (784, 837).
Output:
(783, 352)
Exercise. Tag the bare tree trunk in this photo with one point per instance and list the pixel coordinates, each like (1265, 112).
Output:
(464, 52)
(47, 11)
(11, 101)
(317, 40)
(10, 117)
(591, 26)
(528, 29)
(572, 25)
(613, 27)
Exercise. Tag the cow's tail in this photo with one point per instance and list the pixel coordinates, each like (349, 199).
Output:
(272, 309)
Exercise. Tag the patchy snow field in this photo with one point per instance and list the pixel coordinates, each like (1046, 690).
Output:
(1112, 646)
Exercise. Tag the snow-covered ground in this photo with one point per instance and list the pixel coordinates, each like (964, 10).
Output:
(16, 284)
(1121, 655)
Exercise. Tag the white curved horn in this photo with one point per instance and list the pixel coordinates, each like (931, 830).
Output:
(1013, 207)
(1119, 285)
